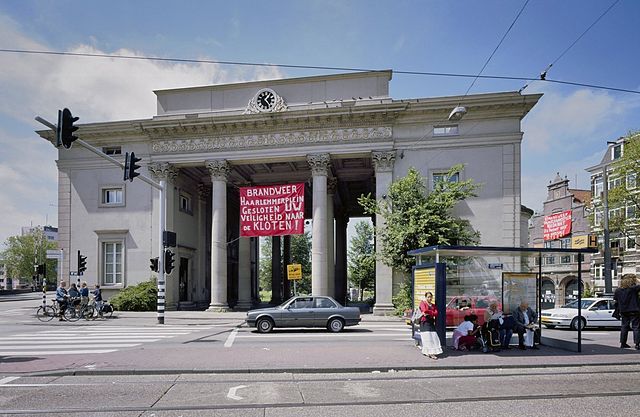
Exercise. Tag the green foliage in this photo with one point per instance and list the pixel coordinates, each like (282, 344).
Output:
(625, 195)
(415, 218)
(362, 261)
(402, 299)
(301, 254)
(23, 252)
(141, 297)
(588, 291)
(265, 273)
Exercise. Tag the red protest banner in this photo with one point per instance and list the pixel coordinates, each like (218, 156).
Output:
(557, 225)
(274, 210)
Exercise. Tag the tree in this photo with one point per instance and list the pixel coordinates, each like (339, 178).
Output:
(415, 218)
(624, 200)
(265, 265)
(22, 253)
(301, 254)
(362, 260)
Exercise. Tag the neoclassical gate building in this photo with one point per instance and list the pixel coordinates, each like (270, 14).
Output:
(341, 135)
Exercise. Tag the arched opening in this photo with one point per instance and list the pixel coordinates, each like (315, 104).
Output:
(548, 294)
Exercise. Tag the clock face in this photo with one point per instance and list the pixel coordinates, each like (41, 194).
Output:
(265, 100)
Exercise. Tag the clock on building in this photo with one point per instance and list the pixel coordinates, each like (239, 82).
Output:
(265, 100)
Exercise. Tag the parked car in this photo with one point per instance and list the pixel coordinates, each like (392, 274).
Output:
(463, 305)
(305, 311)
(596, 312)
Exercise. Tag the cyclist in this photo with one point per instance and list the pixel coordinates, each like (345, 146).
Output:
(61, 298)
(84, 293)
(97, 297)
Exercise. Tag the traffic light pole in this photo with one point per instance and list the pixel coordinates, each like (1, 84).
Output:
(162, 220)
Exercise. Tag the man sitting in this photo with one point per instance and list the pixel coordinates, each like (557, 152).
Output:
(525, 321)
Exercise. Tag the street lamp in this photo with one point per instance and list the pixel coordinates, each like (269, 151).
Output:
(457, 113)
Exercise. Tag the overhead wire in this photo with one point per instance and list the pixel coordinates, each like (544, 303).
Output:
(543, 74)
(293, 66)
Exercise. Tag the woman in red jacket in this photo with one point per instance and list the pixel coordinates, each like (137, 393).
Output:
(430, 340)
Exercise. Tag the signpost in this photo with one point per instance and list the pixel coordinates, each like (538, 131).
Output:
(294, 273)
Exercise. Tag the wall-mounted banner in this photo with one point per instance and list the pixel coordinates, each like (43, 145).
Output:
(557, 225)
(274, 210)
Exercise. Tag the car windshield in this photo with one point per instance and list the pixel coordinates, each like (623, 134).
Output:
(574, 304)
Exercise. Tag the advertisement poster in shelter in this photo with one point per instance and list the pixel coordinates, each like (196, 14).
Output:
(424, 279)
(274, 210)
(518, 287)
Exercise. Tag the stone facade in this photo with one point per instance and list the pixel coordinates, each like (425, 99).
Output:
(341, 135)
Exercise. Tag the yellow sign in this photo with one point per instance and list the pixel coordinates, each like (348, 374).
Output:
(593, 241)
(294, 272)
(424, 279)
(579, 242)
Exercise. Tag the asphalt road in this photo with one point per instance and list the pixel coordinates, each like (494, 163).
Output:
(537, 392)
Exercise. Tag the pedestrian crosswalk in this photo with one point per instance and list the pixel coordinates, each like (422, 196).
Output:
(89, 339)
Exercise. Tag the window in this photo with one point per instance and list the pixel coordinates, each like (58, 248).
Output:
(185, 203)
(598, 271)
(597, 187)
(631, 212)
(112, 196)
(443, 177)
(565, 243)
(451, 130)
(324, 303)
(550, 260)
(631, 242)
(112, 263)
(631, 181)
(112, 150)
(616, 151)
(614, 183)
(301, 303)
(565, 259)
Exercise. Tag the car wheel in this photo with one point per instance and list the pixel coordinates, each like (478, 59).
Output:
(575, 323)
(335, 325)
(264, 325)
(550, 326)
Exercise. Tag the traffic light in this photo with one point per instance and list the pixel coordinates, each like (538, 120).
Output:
(42, 269)
(154, 264)
(168, 261)
(130, 166)
(82, 263)
(65, 128)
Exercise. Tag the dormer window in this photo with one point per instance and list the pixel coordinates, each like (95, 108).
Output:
(616, 152)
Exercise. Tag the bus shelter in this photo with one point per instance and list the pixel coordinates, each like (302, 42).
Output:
(466, 279)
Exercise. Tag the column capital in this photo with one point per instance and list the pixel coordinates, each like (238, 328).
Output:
(319, 163)
(383, 160)
(204, 191)
(332, 185)
(218, 169)
(163, 171)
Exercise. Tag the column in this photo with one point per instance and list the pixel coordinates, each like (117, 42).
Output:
(341, 258)
(219, 169)
(276, 271)
(319, 164)
(286, 260)
(166, 171)
(204, 192)
(244, 274)
(383, 164)
(332, 183)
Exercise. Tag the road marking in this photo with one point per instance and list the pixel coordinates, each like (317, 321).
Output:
(317, 335)
(231, 338)
(8, 379)
(39, 353)
(232, 392)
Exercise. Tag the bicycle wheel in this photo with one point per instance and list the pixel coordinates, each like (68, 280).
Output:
(107, 311)
(70, 314)
(45, 313)
(88, 313)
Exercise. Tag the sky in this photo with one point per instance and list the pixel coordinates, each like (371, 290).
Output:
(565, 133)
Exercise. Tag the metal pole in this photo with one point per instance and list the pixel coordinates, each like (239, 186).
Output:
(580, 302)
(608, 287)
(161, 227)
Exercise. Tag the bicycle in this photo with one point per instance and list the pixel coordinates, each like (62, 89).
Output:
(76, 310)
(46, 312)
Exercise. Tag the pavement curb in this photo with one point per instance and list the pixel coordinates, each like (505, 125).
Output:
(356, 370)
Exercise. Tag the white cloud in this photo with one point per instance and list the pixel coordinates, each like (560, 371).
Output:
(96, 89)
(561, 121)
